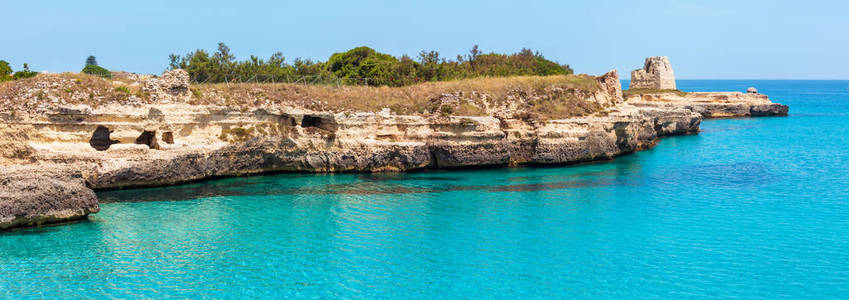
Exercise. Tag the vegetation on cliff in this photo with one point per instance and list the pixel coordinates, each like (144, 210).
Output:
(92, 68)
(545, 97)
(7, 74)
(5, 70)
(548, 97)
(363, 66)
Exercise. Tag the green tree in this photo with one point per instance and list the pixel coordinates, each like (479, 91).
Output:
(91, 61)
(176, 62)
(5, 71)
(97, 71)
(25, 73)
(200, 67)
(431, 66)
(362, 63)
(222, 62)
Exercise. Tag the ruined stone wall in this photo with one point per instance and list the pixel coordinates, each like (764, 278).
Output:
(656, 74)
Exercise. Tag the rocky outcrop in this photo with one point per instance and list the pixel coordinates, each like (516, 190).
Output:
(172, 86)
(129, 145)
(656, 74)
(30, 199)
(768, 110)
(654, 86)
(269, 140)
(712, 104)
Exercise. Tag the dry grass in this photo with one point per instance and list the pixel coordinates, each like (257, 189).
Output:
(547, 97)
(474, 95)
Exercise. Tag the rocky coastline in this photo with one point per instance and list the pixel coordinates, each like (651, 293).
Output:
(55, 155)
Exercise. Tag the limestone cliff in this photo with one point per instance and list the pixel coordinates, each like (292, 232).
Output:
(163, 131)
(711, 104)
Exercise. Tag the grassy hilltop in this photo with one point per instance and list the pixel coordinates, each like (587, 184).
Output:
(360, 79)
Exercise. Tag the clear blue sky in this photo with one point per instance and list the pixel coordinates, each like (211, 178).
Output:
(704, 39)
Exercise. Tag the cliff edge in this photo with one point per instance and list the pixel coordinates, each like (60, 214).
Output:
(97, 134)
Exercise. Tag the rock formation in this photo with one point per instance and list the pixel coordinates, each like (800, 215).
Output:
(49, 178)
(172, 86)
(29, 199)
(656, 74)
(711, 104)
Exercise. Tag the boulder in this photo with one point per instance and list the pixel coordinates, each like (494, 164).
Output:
(28, 199)
(769, 110)
(656, 74)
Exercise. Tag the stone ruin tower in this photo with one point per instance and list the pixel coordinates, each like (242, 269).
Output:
(656, 74)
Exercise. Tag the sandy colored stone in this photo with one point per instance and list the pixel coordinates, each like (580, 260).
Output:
(202, 141)
(656, 74)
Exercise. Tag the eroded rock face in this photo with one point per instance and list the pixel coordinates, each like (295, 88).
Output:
(767, 110)
(612, 86)
(712, 104)
(172, 86)
(279, 138)
(656, 74)
(373, 143)
(14, 144)
(32, 199)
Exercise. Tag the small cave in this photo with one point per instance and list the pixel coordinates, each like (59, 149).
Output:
(319, 122)
(168, 137)
(148, 138)
(100, 139)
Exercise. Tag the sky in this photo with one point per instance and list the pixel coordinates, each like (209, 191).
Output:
(758, 39)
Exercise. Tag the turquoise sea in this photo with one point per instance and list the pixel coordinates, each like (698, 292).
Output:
(750, 208)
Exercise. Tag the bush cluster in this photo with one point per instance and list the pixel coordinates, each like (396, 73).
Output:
(97, 71)
(364, 66)
(6, 73)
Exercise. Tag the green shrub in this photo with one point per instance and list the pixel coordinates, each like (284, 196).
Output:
(24, 74)
(362, 62)
(362, 65)
(5, 69)
(97, 71)
(122, 89)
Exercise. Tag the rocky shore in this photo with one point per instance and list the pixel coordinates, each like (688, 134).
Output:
(31, 199)
(54, 155)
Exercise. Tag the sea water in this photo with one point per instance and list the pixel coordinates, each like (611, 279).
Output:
(752, 207)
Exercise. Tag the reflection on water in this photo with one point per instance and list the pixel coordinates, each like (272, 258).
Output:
(370, 184)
